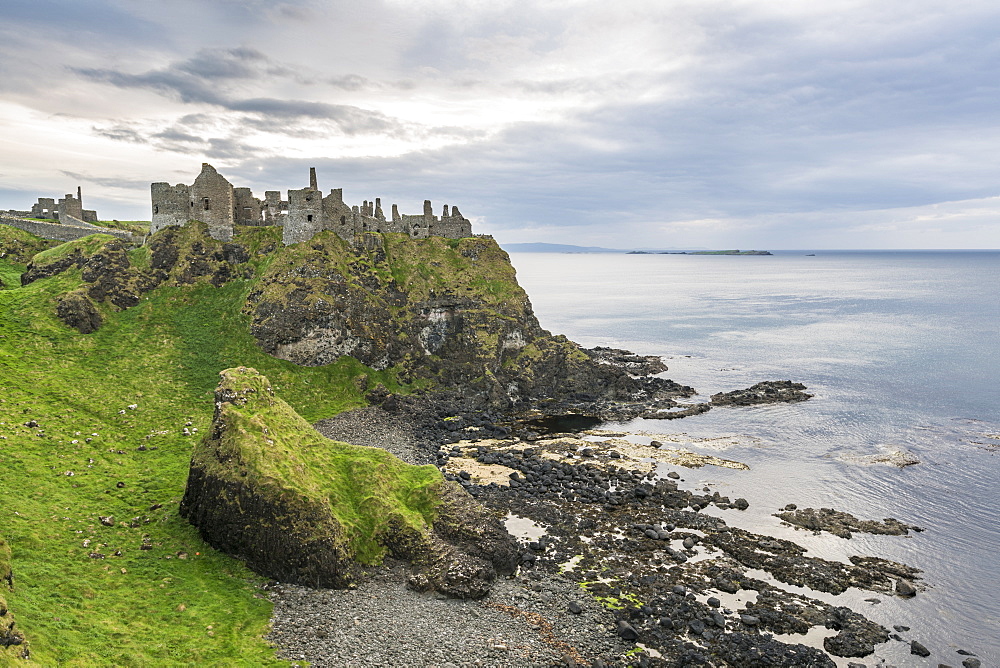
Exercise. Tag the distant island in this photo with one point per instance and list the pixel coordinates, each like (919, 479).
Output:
(702, 252)
(569, 248)
(539, 247)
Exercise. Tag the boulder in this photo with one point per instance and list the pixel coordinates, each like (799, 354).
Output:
(268, 489)
(79, 312)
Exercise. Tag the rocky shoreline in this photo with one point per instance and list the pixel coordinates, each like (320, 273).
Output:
(618, 564)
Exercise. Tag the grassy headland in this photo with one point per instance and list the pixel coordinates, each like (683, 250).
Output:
(138, 587)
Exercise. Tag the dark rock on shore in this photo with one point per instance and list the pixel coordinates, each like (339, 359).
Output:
(842, 524)
(636, 365)
(767, 392)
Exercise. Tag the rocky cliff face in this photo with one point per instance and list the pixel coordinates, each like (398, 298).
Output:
(268, 489)
(447, 311)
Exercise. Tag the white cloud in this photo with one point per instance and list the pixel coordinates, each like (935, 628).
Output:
(684, 123)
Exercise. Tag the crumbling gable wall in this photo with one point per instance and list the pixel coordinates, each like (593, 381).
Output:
(337, 216)
(46, 208)
(212, 198)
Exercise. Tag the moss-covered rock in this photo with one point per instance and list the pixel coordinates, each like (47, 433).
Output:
(12, 642)
(267, 488)
(77, 310)
(113, 274)
(19, 246)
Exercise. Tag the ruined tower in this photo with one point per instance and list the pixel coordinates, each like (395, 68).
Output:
(171, 205)
(305, 212)
(212, 202)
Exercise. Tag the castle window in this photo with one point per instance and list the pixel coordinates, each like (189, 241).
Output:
(156, 208)
(343, 220)
(204, 200)
(309, 218)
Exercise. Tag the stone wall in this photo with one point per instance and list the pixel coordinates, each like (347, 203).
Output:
(212, 196)
(171, 205)
(275, 211)
(305, 215)
(45, 207)
(247, 209)
(60, 232)
(70, 206)
(337, 216)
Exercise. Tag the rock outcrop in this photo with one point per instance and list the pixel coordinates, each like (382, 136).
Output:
(112, 274)
(12, 642)
(447, 310)
(268, 489)
(842, 524)
(767, 392)
(19, 246)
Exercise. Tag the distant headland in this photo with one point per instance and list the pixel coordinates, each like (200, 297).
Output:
(702, 252)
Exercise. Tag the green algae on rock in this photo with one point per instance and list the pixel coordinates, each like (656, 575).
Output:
(295, 506)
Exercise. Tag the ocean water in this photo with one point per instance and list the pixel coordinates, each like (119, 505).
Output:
(902, 352)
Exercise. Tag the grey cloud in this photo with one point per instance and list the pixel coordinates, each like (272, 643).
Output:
(350, 82)
(198, 79)
(228, 148)
(239, 63)
(351, 120)
(105, 181)
(120, 132)
(180, 86)
(173, 134)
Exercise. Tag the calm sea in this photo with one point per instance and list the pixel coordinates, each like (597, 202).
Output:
(901, 349)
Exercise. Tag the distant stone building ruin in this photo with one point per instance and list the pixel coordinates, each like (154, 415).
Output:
(214, 201)
(68, 210)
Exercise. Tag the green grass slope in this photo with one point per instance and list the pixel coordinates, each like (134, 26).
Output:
(138, 587)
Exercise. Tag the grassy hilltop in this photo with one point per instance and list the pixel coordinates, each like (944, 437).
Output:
(97, 431)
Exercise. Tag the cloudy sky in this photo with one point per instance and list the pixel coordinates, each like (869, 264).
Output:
(660, 123)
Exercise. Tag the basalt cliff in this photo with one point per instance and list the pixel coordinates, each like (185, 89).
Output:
(435, 313)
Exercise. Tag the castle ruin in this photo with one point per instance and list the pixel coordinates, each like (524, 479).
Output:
(214, 201)
(68, 210)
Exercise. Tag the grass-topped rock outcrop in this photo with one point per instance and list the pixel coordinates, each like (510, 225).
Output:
(447, 311)
(265, 487)
(114, 275)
